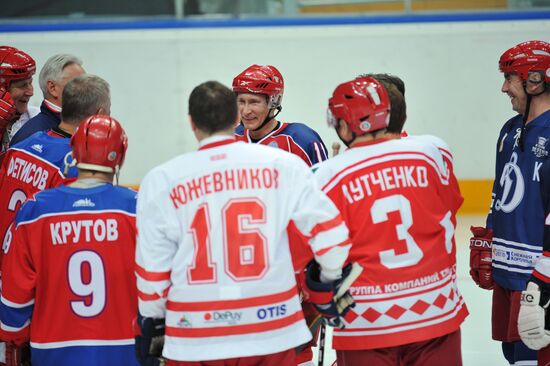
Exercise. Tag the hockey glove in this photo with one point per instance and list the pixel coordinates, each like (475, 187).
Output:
(332, 300)
(532, 314)
(150, 342)
(481, 269)
(7, 108)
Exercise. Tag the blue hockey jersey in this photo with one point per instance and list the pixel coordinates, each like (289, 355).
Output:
(517, 216)
(69, 276)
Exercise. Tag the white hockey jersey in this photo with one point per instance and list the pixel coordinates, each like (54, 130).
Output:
(212, 254)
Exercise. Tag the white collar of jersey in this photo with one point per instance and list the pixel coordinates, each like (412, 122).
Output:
(214, 140)
(52, 106)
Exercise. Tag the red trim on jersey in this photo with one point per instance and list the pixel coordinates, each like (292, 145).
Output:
(319, 297)
(234, 329)
(246, 132)
(148, 297)
(546, 254)
(343, 172)
(326, 225)
(323, 251)
(443, 284)
(541, 277)
(397, 338)
(460, 303)
(152, 276)
(370, 142)
(231, 304)
(227, 141)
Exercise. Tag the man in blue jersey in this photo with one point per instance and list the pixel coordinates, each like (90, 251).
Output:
(55, 74)
(504, 252)
(259, 92)
(70, 269)
(42, 161)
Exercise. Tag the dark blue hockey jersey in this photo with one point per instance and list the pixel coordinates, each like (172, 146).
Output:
(517, 216)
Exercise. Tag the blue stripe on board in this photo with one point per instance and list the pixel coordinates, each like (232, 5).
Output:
(271, 22)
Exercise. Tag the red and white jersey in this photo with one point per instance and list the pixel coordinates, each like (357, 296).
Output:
(399, 200)
(213, 255)
(296, 138)
(29, 167)
(69, 273)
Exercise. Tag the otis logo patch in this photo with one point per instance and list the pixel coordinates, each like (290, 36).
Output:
(271, 312)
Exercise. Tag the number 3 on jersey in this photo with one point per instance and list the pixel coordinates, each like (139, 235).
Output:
(397, 202)
(244, 245)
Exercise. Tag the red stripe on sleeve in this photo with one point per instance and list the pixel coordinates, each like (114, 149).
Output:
(327, 225)
(325, 250)
(152, 276)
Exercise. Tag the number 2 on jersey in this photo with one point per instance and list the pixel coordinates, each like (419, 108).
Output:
(17, 197)
(244, 245)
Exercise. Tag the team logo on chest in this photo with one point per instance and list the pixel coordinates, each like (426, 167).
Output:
(540, 147)
(513, 186)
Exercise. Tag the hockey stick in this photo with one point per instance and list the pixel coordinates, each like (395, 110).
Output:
(322, 337)
(355, 272)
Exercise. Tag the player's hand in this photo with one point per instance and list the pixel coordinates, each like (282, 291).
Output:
(532, 314)
(7, 108)
(150, 342)
(332, 300)
(481, 269)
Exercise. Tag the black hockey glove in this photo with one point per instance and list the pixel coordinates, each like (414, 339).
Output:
(332, 300)
(151, 341)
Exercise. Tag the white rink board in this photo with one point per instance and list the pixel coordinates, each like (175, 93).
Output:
(450, 70)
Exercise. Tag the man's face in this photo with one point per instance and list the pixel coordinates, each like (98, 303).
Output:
(21, 92)
(253, 109)
(69, 73)
(513, 86)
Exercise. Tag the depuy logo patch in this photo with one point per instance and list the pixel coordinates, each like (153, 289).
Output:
(229, 317)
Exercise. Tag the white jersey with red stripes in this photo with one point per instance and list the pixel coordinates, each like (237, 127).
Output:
(213, 256)
(399, 199)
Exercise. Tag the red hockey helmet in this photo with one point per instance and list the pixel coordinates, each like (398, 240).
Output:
(363, 103)
(527, 57)
(15, 65)
(99, 144)
(259, 79)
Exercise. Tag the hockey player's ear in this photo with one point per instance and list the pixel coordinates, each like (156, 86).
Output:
(192, 124)
(344, 130)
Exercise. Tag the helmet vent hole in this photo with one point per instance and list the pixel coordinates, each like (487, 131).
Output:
(347, 96)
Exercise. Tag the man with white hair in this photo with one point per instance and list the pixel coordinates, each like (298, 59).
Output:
(56, 73)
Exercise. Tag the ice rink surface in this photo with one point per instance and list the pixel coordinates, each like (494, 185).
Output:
(478, 349)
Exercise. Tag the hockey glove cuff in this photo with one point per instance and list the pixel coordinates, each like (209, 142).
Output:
(332, 300)
(532, 317)
(150, 342)
(481, 268)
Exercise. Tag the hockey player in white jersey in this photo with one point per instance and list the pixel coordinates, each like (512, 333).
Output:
(213, 262)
